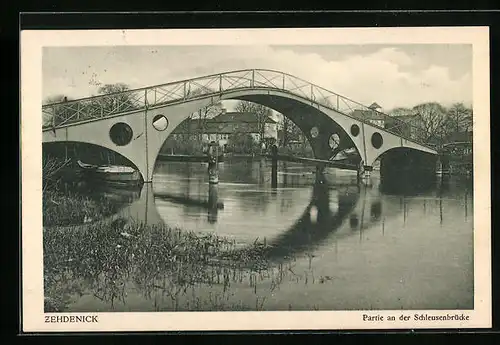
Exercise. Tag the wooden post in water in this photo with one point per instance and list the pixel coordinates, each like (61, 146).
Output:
(213, 206)
(274, 166)
(213, 172)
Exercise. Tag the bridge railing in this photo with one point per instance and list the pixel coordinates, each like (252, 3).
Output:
(101, 106)
(63, 113)
(321, 96)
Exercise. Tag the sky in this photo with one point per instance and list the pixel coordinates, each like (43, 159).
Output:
(393, 76)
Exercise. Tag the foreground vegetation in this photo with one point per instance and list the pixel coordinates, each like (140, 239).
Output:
(88, 253)
(63, 209)
(62, 202)
(169, 267)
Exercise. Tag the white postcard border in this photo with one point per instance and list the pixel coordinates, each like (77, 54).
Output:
(31, 138)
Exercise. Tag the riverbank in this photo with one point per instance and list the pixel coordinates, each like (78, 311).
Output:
(73, 208)
(106, 263)
(88, 254)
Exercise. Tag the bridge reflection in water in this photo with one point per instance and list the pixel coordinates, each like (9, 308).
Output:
(333, 211)
(338, 245)
(332, 204)
(317, 221)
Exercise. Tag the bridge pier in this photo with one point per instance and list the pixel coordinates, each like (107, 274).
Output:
(406, 167)
(363, 172)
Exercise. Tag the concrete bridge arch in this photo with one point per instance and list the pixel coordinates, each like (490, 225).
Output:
(148, 128)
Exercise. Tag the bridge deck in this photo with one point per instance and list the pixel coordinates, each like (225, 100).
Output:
(102, 106)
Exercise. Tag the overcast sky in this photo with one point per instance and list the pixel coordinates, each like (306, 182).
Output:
(401, 75)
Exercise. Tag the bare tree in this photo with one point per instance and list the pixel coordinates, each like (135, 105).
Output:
(118, 99)
(459, 118)
(261, 112)
(60, 112)
(113, 88)
(401, 111)
(432, 119)
(401, 120)
(50, 167)
(286, 127)
(203, 114)
(291, 132)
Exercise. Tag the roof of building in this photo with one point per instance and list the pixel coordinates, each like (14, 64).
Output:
(374, 105)
(239, 117)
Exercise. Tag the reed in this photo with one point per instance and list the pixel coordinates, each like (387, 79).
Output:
(70, 208)
(172, 268)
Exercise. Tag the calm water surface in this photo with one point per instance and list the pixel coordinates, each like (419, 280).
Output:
(371, 249)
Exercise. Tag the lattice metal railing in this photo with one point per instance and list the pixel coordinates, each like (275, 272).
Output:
(65, 113)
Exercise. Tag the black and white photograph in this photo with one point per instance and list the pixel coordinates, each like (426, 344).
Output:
(204, 173)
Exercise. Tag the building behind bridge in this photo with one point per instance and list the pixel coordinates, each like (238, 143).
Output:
(373, 115)
(405, 123)
(222, 129)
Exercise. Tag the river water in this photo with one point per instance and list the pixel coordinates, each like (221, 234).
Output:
(369, 248)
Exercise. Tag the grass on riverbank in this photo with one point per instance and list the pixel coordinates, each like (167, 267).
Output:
(166, 265)
(63, 209)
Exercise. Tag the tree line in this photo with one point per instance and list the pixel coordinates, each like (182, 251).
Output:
(437, 124)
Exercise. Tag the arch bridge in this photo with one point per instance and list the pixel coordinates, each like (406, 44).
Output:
(135, 123)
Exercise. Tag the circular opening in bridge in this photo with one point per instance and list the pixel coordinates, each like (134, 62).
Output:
(377, 140)
(314, 132)
(160, 122)
(121, 134)
(334, 141)
(355, 130)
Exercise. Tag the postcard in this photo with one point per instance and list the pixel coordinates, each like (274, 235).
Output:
(255, 179)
